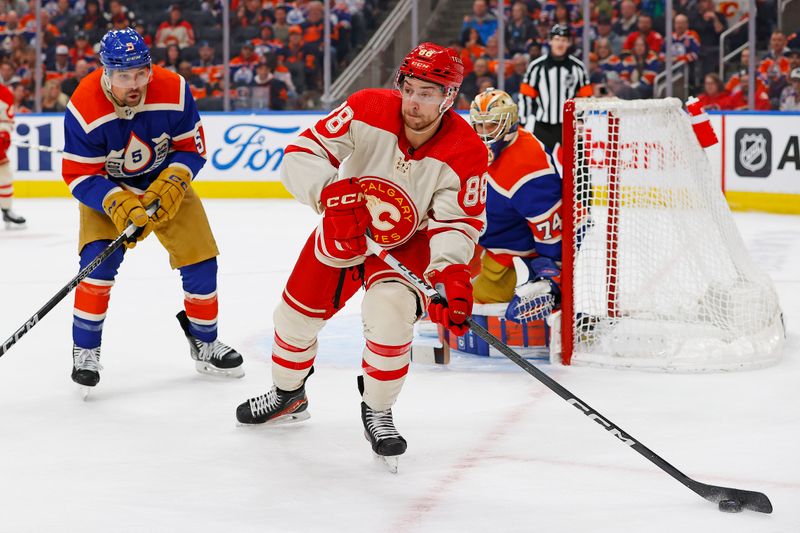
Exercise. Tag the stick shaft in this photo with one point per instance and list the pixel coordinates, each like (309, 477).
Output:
(752, 500)
(66, 289)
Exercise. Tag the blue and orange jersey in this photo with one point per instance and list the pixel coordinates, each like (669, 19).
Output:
(523, 201)
(631, 71)
(684, 48)
(108, 146)
(611, 64)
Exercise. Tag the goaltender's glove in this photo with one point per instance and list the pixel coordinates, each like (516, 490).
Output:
(124, 208)
(453, 311)
(537, 298)
(345, 219)
(169, 188)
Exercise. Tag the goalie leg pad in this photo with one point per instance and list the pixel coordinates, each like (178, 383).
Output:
(495, 283)
(388, 311)
(294, 347)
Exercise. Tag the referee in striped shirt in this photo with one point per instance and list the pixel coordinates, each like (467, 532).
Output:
(550, 81)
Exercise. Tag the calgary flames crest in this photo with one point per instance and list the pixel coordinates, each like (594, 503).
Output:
(394, 215)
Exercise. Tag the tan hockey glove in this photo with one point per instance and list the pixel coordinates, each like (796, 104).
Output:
(169, 187)
(124, 208)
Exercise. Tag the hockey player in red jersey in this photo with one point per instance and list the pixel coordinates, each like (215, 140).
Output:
(11, 219)
(413, 177)
(523, 212)
(133, 136)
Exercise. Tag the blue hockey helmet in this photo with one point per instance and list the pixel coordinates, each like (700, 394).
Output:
(124, 49)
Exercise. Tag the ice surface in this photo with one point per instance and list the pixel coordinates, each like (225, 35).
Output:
(156, 448)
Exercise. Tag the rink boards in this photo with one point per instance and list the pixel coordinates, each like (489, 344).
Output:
(756, 162)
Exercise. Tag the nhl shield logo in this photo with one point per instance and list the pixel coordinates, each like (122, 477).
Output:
(753, 148)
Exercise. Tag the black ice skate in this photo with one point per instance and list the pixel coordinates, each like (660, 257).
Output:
(275, 407)
(213, 358)
(13, 220)
(379, 430)
(86, 368)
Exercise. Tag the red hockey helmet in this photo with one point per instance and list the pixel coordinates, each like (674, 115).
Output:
(436, 64)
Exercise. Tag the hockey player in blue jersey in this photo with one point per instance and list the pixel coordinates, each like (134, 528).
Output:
(134, 137)
(523, 212)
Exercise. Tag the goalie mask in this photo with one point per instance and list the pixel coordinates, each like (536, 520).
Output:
(495, 118)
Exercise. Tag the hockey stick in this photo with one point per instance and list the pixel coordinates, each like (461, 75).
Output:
(729, 499)
(66, 289)
(38, 147)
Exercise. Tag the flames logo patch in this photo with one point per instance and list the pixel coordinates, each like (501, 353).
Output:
(394, 215)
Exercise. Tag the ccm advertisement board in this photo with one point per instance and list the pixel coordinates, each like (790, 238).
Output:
(757, 161)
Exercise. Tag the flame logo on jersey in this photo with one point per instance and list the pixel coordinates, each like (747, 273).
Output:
(394, 215)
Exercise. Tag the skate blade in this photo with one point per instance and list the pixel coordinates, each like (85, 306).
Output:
(12, 226)
(208, 369)
(85, 391)
(390, 462)
(291, 418)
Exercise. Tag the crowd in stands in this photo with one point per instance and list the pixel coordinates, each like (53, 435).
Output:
(275, 46)
(628, 49)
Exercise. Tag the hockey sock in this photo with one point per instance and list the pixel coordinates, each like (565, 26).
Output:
(6, 186)
(200, 298)
(92, 295)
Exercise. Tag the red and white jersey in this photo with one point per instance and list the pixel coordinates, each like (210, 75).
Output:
(6, 109)
(439, 187)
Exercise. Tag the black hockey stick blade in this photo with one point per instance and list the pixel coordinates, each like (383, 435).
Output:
(754, 501)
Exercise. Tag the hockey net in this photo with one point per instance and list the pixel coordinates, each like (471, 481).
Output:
(655, 273)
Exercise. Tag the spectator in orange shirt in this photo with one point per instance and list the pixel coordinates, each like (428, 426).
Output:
(197, 85)
(490, 54)
(653, 39)
(208, 68)
(775, 65)
(734, 83)
(175, 30)
(473, 44)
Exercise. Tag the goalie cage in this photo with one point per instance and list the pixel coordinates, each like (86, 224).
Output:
(655, 273)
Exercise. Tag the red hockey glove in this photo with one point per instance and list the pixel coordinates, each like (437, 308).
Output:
(5, 143)
(345, 218)
(453, 312)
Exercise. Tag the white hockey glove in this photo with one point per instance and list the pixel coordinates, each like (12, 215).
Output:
(533, 300)
(537, 298)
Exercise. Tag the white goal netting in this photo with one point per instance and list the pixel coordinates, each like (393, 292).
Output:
(657, 276)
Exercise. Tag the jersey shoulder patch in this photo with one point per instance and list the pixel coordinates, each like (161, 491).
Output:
(525, 159)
